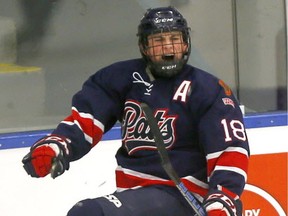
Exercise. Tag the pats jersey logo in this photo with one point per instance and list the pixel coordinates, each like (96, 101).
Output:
(136, 133)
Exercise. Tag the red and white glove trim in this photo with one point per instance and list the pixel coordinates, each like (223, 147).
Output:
(221, 202)
(56, 140)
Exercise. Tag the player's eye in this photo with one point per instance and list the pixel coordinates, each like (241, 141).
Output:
(176, 38)
(157, 39)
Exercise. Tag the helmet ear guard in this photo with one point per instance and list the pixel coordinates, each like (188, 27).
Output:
(163, 20)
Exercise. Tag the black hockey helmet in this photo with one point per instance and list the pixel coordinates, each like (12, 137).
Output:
(159, 20)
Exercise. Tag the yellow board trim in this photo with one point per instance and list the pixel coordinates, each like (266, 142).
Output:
(12, 68)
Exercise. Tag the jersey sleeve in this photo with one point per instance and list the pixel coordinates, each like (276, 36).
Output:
(223, 136)
(94, 111)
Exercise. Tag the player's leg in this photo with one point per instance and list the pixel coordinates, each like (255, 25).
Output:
(86, 207)
(152, 201)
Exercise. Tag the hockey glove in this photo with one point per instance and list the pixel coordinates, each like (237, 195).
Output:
(48, 155)
(219, 204)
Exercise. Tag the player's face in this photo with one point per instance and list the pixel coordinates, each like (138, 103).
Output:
(166, 46)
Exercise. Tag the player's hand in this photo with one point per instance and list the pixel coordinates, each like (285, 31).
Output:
(48, 155)
(217, 209)
(218, 204)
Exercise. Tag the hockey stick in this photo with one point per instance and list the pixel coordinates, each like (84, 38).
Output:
(165, 161)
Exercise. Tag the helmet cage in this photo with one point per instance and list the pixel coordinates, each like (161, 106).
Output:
(162, 20)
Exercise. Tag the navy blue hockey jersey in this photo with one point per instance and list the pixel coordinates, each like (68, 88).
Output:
(199, 118)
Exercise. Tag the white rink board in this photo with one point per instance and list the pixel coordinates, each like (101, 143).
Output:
(21, 195)
(268, 140)
(91, 176)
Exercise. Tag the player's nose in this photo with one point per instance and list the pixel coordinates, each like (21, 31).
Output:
(168, 47)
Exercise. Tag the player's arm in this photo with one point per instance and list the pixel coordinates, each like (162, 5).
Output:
(91, 115)
(226, 147)
(53, 153)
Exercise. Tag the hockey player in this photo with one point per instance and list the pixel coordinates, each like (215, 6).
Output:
(199, 118)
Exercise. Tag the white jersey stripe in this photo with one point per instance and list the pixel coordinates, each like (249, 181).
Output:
(232, 169)
(139, 174)
(229, 149)
(87, 137)
(89, 116)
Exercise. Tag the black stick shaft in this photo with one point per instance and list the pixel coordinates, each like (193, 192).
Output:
(165, 161)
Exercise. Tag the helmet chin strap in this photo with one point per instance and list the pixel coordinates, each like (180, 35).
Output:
(150, 75)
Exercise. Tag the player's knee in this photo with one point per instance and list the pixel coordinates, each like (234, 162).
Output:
(86, 207)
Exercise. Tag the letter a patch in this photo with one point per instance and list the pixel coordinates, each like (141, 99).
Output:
(183, 91)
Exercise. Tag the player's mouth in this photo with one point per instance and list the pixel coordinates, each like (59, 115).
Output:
(168, 57)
